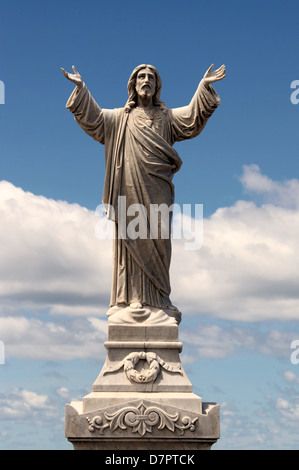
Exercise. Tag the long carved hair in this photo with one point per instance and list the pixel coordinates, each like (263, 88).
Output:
(132, 100)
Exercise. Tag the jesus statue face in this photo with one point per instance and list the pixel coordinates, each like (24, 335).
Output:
(146, 83)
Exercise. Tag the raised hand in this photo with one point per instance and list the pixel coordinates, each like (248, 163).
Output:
(73, 77)
(210, 77)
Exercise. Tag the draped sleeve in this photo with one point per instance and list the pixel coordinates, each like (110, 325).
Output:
(87, 113)
(188, 121)
(106, 126)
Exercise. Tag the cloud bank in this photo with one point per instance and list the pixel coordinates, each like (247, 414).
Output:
(247, 268)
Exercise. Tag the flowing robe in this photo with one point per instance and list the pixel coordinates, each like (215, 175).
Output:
(140, 162)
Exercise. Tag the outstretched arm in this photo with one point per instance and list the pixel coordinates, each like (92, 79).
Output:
(189, 121)
(86, 111)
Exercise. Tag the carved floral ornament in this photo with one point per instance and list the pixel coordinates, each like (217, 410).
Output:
(146, 375)
(141, 419)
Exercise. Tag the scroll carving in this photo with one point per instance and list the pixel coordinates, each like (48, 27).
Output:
(141, 419)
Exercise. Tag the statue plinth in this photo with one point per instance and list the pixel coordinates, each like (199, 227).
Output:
(142, 398)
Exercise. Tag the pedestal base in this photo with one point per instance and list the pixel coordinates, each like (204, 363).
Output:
(142, 399)
(143, 424)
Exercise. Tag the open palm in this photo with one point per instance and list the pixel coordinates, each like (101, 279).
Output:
(73, 77)
(210, 77)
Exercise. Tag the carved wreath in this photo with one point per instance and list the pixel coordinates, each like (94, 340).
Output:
(154, 362)
(141, 419)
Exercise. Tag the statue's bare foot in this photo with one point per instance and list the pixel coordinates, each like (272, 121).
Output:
(136, 305)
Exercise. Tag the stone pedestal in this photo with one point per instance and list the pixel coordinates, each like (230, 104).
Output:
(142, 399)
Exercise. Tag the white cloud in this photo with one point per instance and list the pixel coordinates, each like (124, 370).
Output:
(285, 194)
(21, 405)
(208, 340)
(212, 341)
(32, 338)
(247, 268)
(291, 377)
(63, 392)
(289, 411)
(50, 256)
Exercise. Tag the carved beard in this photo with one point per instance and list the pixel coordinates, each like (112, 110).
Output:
(146, 92)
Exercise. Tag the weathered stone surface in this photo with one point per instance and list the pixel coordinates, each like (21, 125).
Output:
(142, 398)
(143, 424)
(140, 165)
(101, 400)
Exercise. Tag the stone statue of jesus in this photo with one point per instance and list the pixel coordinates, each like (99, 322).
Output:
(140, 163)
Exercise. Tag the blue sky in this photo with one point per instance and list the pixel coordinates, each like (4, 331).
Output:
(238, 294)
